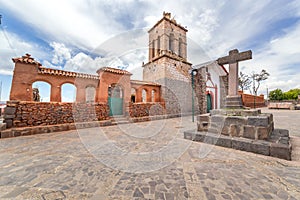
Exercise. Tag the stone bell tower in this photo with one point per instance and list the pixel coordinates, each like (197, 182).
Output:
(168, 65)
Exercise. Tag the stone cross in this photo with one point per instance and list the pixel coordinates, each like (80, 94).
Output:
(232, 59)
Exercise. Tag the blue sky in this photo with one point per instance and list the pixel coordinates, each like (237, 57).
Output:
(84, 35)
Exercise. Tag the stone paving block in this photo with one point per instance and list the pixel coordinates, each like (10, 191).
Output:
(242, 144)
(249, 131)
(211, 138)
(263, 133)
(246, 113)
(10, 110)
(258, 121)
(203, 117)
(260, 147)
(281, 132)
(6, 134)
(280, 151)
(224, 141)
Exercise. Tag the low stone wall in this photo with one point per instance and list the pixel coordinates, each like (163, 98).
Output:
(22, 113)
(253, 101)
(282, 105)
(146, 109)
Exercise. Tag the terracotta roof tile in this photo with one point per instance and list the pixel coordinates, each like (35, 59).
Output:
(43, 70)
(26, 59)
(114, 70)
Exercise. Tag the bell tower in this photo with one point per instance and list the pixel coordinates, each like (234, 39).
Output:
(167, 64)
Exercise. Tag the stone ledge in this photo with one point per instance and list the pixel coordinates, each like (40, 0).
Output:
(267, 148)
(23, 131)
(32, 130)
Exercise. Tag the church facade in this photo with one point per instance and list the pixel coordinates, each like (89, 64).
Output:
(166, 78)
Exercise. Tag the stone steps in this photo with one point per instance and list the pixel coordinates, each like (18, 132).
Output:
(119, 119)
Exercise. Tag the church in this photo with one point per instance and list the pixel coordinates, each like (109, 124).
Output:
(169, 79)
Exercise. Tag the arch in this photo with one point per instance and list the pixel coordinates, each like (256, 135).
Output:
(41, 91)
(158, 45)
(153, 94)
(115, 99)
(90, 93)
(133, 95)
(115, 91)
(171, 42)
(68, 92)
(144, 95)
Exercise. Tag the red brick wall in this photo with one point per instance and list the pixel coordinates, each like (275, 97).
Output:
(146, 109)
(22, 113)
(248, 100)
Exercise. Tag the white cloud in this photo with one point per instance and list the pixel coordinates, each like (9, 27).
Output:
(11, 46)
(61, 53)
(110, 29)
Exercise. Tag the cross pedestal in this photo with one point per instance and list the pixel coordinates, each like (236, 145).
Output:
(234, 100)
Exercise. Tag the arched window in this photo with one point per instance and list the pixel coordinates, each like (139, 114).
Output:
(41, 91)
(90, 92)
(171, 42)
(144, 95)
(180, 47)
(153, 95)
(133, 94)
(152, 49)
(68, 92)
(158, 45)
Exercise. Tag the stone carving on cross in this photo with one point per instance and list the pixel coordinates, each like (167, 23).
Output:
(233, 59)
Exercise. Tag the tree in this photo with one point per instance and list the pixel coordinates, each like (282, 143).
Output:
(244, 81)
(258, 78)
(276, 94)
(291, 94)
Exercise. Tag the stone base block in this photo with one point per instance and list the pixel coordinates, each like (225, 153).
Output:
(267, 148)
(281, 151)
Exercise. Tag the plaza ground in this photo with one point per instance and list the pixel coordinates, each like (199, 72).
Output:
(147, 160)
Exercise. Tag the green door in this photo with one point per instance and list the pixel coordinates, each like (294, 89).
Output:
(115, 106)
(209, 106)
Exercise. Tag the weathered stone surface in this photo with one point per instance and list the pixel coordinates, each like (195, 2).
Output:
(281, 132)
(234, 130)
(242, 144)
(51, 113)
(249, 132)
(252, 112)
(146, 109)
(263, 133)
(9, 110)
(258, 121)
(280, 151)
(260, 147)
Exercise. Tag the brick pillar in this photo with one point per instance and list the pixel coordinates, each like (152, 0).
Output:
(138, 96)
(148, 96)
(80, 94)
(55, 93)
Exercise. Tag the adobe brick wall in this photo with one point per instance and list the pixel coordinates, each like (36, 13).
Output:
(23, 113)
(146, 109)
(248, 100)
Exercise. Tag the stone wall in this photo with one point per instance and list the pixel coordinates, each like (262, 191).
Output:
(22, 113)
(146, 109)
(223, 90)
(200, 90)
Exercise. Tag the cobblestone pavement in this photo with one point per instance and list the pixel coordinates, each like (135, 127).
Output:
(147, 160)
